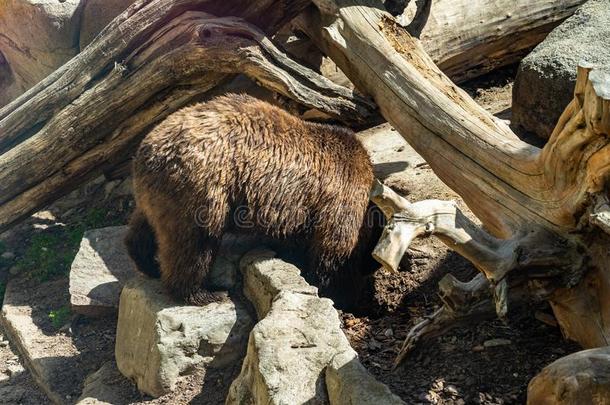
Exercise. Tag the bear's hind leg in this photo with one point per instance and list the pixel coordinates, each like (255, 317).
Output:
(142, 245)
(186, 254)
(335, 261)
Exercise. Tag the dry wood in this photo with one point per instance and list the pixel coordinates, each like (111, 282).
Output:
(535, 204)
(467, 38)
(151, 60)
(463, 304)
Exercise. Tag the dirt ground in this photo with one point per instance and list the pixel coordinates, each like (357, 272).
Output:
(16, 384)
(457, 368)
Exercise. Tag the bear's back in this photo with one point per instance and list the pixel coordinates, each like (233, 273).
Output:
(249, 153)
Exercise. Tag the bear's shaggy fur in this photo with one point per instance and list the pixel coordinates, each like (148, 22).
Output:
(238, 163)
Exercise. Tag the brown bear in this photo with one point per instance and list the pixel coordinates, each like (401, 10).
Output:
(241, 164)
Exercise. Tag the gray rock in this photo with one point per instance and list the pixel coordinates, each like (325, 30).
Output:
(8, 255)
(497, 342)
(33, 343)
(100, 387)
(348, 382)
(102, 266)
(579, 378)
(265, 277)
(545, 81)
(56, 30)
(391, 155)
(158, 340)
(297, 353)
(99, 271)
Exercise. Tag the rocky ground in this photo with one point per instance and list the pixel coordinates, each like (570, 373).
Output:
(16, 384)
(489, 363)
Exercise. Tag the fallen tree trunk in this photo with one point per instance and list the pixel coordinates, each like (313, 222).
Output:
(467, 38)
(151, 60)
(540, 207)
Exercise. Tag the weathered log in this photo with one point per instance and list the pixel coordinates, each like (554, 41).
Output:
(467, 38)
(535, 204)
(151, 60)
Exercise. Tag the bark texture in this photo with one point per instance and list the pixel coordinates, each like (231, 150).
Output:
(467, 38)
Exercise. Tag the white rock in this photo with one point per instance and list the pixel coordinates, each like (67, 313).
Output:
(14, 369)
(158, 340)
(298, 339)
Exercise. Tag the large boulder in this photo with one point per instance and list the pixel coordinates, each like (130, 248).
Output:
(579, 378)
(297, 353)
(159, 340)
(545, 81)
(38, 36)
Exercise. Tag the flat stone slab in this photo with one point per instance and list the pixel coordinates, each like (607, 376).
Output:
(158, 340)
(99, 271)
(293, 349)
(545, 81)
(34, 345)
